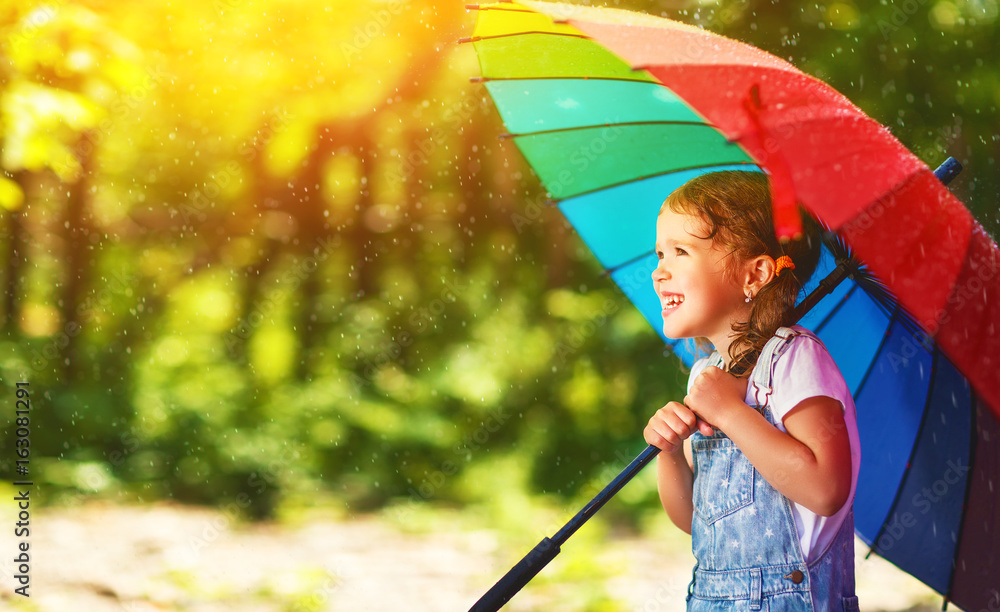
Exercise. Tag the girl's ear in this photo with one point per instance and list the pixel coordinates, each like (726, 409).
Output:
(759, 272)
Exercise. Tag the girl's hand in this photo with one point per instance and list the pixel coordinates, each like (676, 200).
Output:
(671, 425)
(715, 393)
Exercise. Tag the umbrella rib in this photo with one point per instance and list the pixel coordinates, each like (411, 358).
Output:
(555, 201)
(913, 450)
(474, 39)
(507, 135)
(493, 7)
(889, 304)
(607, 272)
(864, 381)
(882, 298)
(973, 447)
(482, 79)
(819, 326)
(873, 285)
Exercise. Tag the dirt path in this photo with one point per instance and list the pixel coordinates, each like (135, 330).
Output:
(99, 558)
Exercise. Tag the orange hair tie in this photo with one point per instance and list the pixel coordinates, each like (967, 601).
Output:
(783, 262)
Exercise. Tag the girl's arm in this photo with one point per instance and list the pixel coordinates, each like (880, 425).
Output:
(667, 430)
(810, 465)
(674, 483)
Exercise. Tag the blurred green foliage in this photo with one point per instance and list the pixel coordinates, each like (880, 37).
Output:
(279, 257)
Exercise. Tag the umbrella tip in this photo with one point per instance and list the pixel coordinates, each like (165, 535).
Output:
(948, 170)
(468, 40)
(477, 79)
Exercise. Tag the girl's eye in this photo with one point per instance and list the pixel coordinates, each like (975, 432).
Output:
(677, 251)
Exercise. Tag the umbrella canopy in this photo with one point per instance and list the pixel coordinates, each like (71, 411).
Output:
(614, 110)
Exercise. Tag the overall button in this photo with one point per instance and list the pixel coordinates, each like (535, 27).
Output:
(797, 576)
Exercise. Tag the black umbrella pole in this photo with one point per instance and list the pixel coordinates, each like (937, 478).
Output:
(548, 548)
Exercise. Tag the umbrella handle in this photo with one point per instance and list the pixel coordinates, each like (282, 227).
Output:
(517, 577)
(547, 549)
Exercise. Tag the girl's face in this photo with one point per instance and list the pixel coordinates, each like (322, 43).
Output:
(697, 297)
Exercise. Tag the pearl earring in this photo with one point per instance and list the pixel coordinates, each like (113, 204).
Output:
(749, 297)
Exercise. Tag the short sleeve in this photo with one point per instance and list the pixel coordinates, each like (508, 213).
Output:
(696, 369)
(806, 369)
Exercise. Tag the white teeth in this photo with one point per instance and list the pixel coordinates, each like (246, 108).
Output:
(673, 301)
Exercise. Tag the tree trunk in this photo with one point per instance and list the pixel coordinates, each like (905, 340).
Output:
(16, 258)
(311, 227)
(364, 238)
(79, 252)
(556, 260)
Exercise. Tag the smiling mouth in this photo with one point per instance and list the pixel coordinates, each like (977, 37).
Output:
(671, 302)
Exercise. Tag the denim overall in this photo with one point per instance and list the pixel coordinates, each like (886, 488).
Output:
(743, 533)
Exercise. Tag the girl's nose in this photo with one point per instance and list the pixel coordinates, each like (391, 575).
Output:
(660, 272)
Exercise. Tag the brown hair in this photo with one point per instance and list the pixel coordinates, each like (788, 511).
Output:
(736, 207)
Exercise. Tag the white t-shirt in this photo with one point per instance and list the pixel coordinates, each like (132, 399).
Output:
(807, 370)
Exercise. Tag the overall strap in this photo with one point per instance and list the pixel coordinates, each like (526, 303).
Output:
(763, 373)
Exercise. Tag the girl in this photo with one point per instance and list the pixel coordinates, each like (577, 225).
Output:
(760, 461)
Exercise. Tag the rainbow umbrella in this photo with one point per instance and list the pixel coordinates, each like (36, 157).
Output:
(614, 110)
